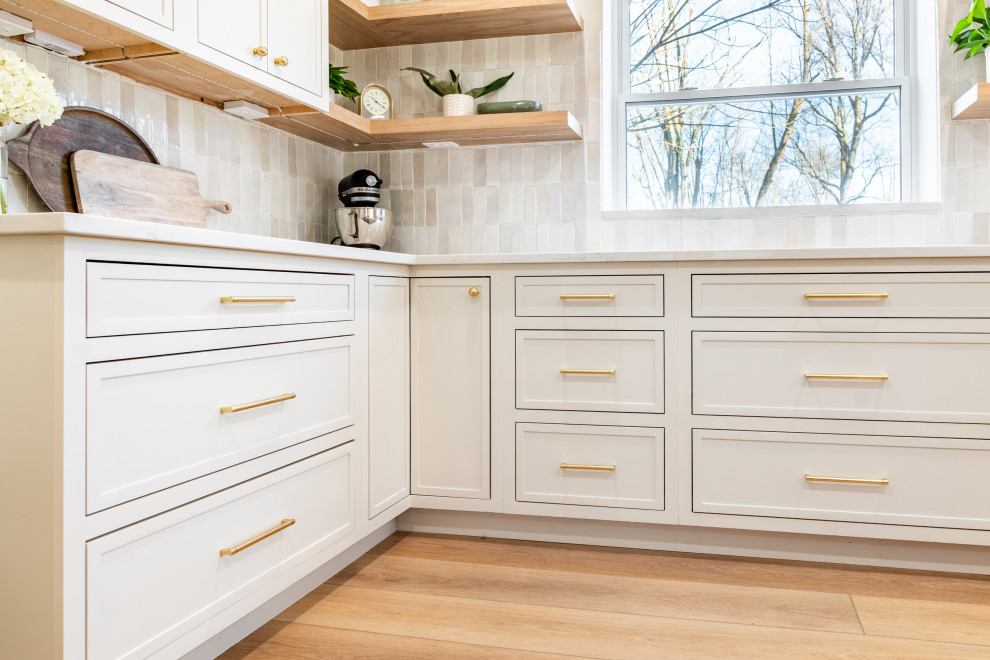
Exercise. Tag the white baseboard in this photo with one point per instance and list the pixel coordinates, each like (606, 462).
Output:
(264, 613)
(705, 540)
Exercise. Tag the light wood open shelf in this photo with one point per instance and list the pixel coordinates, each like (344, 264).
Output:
(974, 104)
(346, 131)
(355, 25)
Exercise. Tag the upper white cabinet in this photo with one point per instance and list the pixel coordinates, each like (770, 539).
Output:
(159, 11)
(234, 27)
(388, 384)
(294, 31)
(451, 385)
(281, 38)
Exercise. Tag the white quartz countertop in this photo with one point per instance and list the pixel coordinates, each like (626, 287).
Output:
(73, 224)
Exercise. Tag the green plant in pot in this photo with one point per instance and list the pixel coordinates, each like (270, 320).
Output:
(972, 34)
(341, 85)
(457, 102)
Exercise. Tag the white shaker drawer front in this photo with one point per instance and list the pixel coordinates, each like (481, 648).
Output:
(590, 465)
(603, 371)
(931, 482)
(151, 583)
(863, 295)
(156, 422)
(128, 299)
(887, 376)
(590, 295)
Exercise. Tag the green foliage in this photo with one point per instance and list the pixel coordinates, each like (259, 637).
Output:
(442, 87)
(341, 85)
(972, 34)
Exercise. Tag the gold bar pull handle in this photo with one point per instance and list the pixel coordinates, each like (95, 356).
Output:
(244, 545)
(850, 296)
(257, 404)
(846, 376)
(848, 480)
(589, 372)
(257, 299)
(579, 466)
(587, 296)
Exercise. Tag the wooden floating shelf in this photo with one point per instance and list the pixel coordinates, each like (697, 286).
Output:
(974, 104)
(344, 130)
(355, 25)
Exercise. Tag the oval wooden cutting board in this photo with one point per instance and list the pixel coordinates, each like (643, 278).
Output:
(44, 152)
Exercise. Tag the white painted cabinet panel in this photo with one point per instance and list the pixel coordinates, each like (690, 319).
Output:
(451, 383)
(590, 295)
(388, 391)
(159, 11)
(152, 423)
(127, 299)
(937, 377)
(294, 31)
(842, 295)
(150, 583)
(604, 466)
(235, 28)
(933, 482)
(601, 371)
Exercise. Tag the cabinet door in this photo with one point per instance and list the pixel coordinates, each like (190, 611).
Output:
(159, 11)
(388, 385)
(295, 53)
(451, 366)
(233, 27)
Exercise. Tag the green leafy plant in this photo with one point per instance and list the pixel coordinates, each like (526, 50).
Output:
(341, 85)
(972, 33)
(453, 86)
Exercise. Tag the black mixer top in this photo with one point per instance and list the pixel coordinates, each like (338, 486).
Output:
(362, 188)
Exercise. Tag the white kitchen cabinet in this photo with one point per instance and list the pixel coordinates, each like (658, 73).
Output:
(282, 39)
(604, 466)
(236, 28)
(926, 482)
(927, 377)
(590, 370)
(147, 426)
(294, 31)
(159, 11)
(224, 407)
(216, 549)
(130, 299)
(451, 383)
(388, 387)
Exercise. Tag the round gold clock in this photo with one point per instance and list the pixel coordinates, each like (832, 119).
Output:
(375, 102)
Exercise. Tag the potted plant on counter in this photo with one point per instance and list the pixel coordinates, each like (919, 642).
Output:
(457, 103)
(972, 34)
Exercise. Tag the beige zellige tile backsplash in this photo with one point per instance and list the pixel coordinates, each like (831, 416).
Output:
(515, 198)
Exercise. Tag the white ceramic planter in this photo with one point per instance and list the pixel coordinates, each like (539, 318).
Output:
(458, 105)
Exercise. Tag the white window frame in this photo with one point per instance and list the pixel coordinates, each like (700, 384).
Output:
(914, 77)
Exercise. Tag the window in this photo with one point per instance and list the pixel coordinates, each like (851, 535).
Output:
(750, 103)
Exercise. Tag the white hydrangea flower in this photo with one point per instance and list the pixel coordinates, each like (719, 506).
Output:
(26, 94)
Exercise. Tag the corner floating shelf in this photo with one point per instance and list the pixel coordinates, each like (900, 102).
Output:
(355, 25)
(974, 104)
(343, 130)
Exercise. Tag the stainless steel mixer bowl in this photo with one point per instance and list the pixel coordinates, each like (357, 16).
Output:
(365, 227)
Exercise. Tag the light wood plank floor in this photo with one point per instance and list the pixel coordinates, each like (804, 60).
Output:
(426, 596)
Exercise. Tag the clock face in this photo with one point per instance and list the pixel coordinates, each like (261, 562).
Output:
(375, 101)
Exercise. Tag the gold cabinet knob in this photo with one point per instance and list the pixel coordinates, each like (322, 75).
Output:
(281, 61)
(260, 51)
(474, 291)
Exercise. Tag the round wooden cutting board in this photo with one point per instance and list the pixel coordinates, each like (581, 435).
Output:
(43, 152)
